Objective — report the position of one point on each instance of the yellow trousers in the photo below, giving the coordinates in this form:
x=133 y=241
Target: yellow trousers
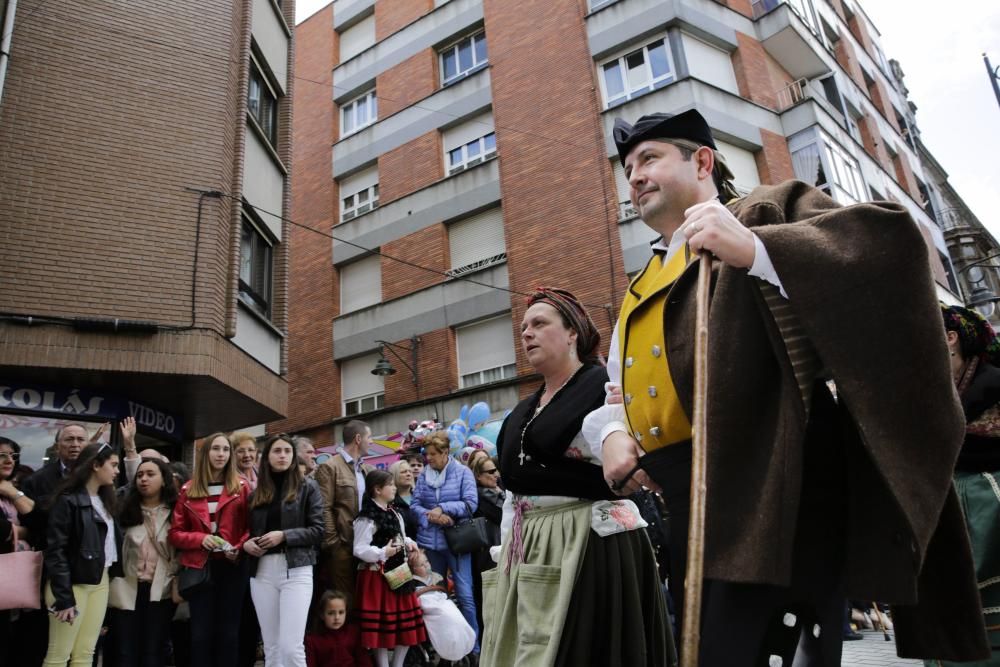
x=75 y=642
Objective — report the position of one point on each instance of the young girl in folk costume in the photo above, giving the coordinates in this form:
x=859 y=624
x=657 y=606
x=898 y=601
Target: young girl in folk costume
x=388 y=618
x=142 y=581
x=210 y=525
x=335 y=643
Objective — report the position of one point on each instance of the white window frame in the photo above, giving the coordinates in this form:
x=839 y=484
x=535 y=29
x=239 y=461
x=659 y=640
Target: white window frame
x=256 y=279
x=356 y=406
x=262 y=103
x=842 y=171
x=372 y=297
x=353 y=404
x=354 y=205
x=350 y=110
x=455 y=48
x=652 y=82
x=597 y=4
x=486 y=147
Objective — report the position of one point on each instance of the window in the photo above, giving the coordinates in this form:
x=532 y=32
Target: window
x=359 y=37
x=708 y=63
x=359 y=113
x=466 y=56
x=472 y=153
x=255 y=268
x=486 y=352
x=625 y=209
x=476 y=242
x=818 y=160
x=636 y=73
x=359 y=193
x=361 y=391
x=742 y=163
x=360 y=284
x=262 y=104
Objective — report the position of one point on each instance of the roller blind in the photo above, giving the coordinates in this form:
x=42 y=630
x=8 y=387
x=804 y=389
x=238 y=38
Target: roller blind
x=360 y=284
x=485 y=345
x=356 y=377
x=476 y=238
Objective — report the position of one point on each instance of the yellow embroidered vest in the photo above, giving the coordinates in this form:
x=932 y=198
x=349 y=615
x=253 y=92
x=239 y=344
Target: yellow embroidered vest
x=653 y=412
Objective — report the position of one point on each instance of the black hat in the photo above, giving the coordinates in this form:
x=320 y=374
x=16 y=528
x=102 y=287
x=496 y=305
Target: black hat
x=688 y=125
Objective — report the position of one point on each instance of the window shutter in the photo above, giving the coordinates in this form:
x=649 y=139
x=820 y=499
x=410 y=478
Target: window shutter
x=357 y=38
x=361 y=284
x=742 y=163
x=485 y=345
x=476 y=238
x=471 y=129
x=356 y=377
x=359 y=181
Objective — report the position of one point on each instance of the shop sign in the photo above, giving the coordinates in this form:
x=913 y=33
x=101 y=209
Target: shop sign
x=83 y=404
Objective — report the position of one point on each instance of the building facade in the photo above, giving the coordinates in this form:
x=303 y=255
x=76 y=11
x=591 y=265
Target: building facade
x=144 y=158
x=459 y=153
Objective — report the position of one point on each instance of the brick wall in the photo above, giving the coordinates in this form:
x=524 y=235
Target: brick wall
x=905 y=177
x=881 y=100
x=758 y=75
x=860 y=33
x=741 y=6
x=438 y=371
x=562 y=183
x=774 y=162
x=427 y=247
x=410 y=81
x=410 y=167
x=314 y=380
x=391 y=15
x=872 y=140
x=847 y=59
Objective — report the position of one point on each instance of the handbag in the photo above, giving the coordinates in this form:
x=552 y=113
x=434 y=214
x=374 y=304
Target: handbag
x=468 y=535
x=21 y=583
x=191 y=581
x=398 y=576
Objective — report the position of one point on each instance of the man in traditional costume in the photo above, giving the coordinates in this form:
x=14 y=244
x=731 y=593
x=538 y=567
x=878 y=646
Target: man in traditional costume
x=833 y=423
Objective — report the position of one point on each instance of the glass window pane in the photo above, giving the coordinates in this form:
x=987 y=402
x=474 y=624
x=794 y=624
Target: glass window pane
x=658 y=59
x=246 y=255
x=363 y=197
x=375 y=192
x=253 y=96
x=490 y=140
x=350 y=408
x=374 y=107
x=449 y=64
x=465 y=55
x=480 y=49
x=473 y=149
x=613 y=80
x=348 y=203
x=638 y=76
x=368 y=404
x=362 y=110
x=348 y=118
x=455 y=157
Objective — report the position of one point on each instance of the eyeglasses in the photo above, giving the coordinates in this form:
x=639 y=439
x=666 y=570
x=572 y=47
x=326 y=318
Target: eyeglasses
x=4 y=456
x=494 y=471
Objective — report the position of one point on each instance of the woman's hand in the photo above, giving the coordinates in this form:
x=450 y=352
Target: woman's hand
x=210 y=543
x=8 y=490
x=435 y=514
x=252 y=548
x=391 y=550
x=66 y=615
x=270 y=540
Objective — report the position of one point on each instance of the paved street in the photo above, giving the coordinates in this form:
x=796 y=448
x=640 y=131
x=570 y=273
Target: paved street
x=873 y=651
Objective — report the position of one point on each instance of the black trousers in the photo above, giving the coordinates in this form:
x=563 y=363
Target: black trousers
x=216 y=613
x=744 y=625
x=139 y=637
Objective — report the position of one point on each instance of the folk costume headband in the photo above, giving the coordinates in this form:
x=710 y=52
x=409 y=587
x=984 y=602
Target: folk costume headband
x=687 y=130
x=573 y=312
x=975 y=334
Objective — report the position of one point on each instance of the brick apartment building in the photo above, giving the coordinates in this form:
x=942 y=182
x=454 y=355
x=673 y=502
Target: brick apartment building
x=472 y=140
x=127 y=287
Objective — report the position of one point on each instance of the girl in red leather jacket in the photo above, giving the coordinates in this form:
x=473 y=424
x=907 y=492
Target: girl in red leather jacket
x=209 y=528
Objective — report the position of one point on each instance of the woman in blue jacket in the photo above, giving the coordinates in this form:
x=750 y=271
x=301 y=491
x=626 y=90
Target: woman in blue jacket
x=446 y=493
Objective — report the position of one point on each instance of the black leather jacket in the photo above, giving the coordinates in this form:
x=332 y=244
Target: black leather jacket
x=74 y=553
x=301 y=522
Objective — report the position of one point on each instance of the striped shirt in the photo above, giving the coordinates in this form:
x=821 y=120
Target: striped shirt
x=214 y=491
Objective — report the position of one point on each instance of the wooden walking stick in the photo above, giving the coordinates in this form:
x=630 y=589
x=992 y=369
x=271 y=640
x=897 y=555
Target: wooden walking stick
x=881 y=621
x=693 y=577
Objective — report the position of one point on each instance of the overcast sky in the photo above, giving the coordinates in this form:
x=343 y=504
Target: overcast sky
x=940 y=47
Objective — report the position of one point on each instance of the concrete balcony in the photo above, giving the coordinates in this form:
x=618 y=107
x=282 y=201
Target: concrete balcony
x=790 y=41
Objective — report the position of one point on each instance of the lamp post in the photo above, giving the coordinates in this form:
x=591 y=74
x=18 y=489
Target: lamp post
x=982 y=299
x=384 y=367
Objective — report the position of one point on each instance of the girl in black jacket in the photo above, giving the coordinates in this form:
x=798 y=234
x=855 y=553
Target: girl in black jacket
x=81 y=546
x=286 y=527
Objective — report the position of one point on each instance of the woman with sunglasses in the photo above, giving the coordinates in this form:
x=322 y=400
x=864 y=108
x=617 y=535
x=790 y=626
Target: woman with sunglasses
x=491 y=498
x=81 y=545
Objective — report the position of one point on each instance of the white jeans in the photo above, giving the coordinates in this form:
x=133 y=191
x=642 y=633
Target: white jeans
x=281 y=597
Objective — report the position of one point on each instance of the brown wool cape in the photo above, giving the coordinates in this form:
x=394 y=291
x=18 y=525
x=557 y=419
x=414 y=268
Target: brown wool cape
x=860 y=291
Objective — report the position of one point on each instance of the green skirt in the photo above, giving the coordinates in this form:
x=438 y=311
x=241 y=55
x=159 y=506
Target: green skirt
x=576 y=598
x=979 y=494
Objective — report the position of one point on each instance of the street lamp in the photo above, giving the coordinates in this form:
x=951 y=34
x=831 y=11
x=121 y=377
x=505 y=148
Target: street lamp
x=384 y=367
x=982 y=299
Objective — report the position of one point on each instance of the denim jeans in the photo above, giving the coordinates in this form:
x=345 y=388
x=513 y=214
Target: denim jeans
x=140 y=635
x=215 y=615
x=281 y=596
x=461 y=572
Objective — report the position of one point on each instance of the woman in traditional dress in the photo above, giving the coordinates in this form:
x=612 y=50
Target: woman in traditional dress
x=975 y=355
x=577 y=582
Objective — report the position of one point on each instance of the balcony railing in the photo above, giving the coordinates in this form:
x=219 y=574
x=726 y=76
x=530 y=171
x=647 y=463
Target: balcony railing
x=792 y=94
x=952 y=218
